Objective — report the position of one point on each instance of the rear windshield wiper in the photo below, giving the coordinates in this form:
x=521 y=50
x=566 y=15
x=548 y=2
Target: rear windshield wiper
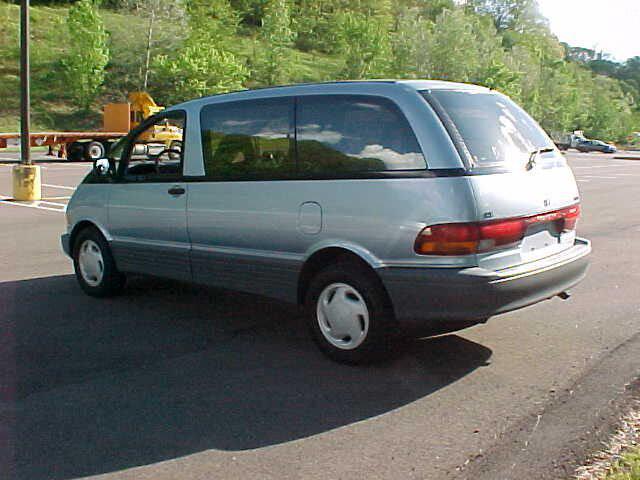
x=533 y=157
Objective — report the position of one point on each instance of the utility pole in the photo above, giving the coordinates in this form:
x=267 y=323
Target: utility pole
x=26 y=176
x=25 y=101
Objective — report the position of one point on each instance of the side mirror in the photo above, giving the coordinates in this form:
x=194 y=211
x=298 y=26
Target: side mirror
x=102 y=167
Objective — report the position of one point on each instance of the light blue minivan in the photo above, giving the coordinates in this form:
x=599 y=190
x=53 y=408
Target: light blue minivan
x=380 y=206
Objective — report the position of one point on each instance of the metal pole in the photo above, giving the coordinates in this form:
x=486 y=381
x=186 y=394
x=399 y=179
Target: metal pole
x=25 y=107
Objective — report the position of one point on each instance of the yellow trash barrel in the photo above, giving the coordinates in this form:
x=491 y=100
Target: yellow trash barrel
x=26 y=182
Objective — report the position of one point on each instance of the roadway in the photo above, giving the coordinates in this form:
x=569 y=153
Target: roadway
x=174 y=381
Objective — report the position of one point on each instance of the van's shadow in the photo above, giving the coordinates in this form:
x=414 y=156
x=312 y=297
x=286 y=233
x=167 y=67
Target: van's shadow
x=167 y=370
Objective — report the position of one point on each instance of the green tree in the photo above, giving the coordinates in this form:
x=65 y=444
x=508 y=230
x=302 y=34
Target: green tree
x=152 y=11
x=462 y=48
x=433 y=8
x=199 y=69
x=511 y=15
x=629 y=73
x=204 y=65
x=363 y=42
x=276 y=36
x=314 y=25
x=609 y=112
x=212 y=21
x=250 y=11
x=413 y=32
x=84 y=66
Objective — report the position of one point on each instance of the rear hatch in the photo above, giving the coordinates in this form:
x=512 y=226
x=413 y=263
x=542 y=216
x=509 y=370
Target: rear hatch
x=517 y=174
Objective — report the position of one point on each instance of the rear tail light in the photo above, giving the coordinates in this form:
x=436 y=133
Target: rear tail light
x=478 y=237
x=571 y=215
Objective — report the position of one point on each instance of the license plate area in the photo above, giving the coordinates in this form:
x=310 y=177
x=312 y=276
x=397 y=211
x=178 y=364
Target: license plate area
x=541 y=240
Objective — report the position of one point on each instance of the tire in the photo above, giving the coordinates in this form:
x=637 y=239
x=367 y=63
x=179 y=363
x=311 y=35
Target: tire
x=94 y=266
x=367 y=331
x=93 y=151
x=75 y=152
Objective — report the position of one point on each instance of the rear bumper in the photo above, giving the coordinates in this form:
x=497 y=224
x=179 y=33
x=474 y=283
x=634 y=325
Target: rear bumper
x=422 y=295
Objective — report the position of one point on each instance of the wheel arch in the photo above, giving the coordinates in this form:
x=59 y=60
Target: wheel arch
x=81 y=225
x=327 y=255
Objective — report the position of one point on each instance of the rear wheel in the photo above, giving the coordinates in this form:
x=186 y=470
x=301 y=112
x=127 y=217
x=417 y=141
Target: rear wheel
x=349 y=314
x=75 y=152
x=94 y=266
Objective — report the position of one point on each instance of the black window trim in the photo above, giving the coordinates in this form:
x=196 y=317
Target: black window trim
x=120 y=176
x=451 y=128
x=364 y=175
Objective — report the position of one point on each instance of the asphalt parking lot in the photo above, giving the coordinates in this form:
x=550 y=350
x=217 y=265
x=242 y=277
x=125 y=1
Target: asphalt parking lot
x=174 y=381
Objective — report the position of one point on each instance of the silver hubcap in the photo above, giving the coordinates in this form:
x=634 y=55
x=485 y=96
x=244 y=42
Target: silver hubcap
x=95 y=152
x=343 y=316
x=91 y=263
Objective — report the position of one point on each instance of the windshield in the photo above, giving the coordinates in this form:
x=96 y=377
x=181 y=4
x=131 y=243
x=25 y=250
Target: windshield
x=495 y=130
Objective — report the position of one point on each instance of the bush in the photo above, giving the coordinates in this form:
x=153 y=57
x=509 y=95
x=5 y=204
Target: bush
x=84 y=66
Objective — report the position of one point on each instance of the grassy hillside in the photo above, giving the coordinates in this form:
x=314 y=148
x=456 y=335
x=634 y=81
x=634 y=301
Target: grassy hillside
x=526 y=61
x=50 y=101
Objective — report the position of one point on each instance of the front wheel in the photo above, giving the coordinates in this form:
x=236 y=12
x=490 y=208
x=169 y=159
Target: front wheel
x=93 y=151
x=349 y=314
x=94 y=266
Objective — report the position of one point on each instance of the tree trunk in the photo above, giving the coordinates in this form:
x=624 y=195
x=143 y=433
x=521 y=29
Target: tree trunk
x=148 y=52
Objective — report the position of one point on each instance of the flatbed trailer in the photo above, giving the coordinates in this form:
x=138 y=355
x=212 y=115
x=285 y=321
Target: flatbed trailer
x=117 y=120
x=74 y=146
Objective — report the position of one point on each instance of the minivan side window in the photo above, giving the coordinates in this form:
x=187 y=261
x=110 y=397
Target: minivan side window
x=155 y=153
x=338 y=134
x=248 y=139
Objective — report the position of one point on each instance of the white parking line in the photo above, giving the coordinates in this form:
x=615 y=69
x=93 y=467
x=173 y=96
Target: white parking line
x=47 y=165
x=591 y=166
x=611 y=165
x=47 y=202
x=599 y=176
x=68 y=165
x=62 y=187
x=37 y=204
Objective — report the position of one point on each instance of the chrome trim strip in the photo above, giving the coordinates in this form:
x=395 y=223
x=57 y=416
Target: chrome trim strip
x=152 y=243
x=244 y=252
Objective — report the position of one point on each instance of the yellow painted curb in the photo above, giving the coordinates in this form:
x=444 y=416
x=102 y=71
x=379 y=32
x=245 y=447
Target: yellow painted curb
x=26 y=182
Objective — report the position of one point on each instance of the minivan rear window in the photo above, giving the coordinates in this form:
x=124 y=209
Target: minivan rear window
x=496 y=132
